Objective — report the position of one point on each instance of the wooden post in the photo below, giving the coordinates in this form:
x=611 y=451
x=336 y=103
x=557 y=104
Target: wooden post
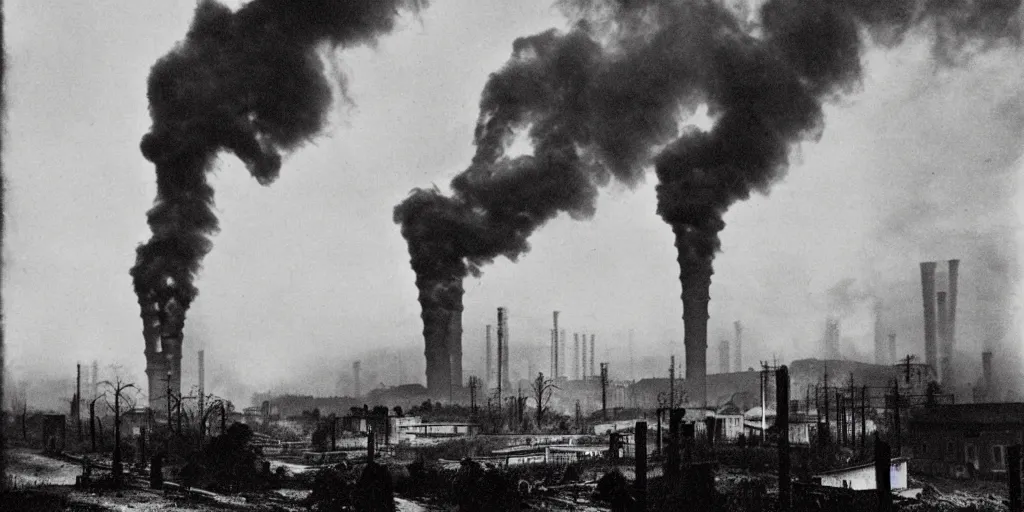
x=782 y=426
x=675 y=418
x=883 y=460
x=334 y=433
x=92 y=424
x=660 y=413
x=640 y=456
x=370 y=448
x=863 y=415
x=1013 y=476
x=897 y=435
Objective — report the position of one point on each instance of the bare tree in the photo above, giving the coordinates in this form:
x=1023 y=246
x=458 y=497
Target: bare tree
x=93 y=419
x=119 y=387
x=542 y=391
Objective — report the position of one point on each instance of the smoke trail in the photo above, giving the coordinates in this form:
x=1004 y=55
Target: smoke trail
x=601 y=100
x=249 y=82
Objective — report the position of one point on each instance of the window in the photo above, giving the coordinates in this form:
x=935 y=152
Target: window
x=924 y=448
x=950 y=448
x=999 y=456
x=971 y=454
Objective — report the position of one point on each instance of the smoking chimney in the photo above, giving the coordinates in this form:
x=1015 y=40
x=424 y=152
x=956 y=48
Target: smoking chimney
x=696 y=281
x=739 y=345
x=944 y=372
x=986 y=373
x=455 y=346
x=928 y=297
x=489 y=368
x=576 y=356
x=723 y=356
x=954 y=272
x=879 y=335
x=355 y=375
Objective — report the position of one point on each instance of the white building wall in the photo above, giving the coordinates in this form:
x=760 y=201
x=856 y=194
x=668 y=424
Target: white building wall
x=864 y=478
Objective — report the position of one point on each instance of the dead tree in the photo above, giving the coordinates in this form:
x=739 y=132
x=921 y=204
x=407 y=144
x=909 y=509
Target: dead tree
x=118 y=388
x=92 y=420
x=542 y=391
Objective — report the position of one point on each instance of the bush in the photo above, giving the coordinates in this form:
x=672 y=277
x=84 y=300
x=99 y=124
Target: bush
x=227 y=463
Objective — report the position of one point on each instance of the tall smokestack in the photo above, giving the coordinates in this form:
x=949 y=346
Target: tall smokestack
x=489 y=369
x=944 y=370
x=954 y=275
x=892 y=348
x=879 y=334
x=591 y=354
x=695 y=277
x=723 y=356
x=355 y=375
x=576 y=356
x=986 y=373
x=583 y=359
x=554 y=346
x=928 y=297
x=560 y=371
x=739 y=345
x=503 y=376
x=455 y=346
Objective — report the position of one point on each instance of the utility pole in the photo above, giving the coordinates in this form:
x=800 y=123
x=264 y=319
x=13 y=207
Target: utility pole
x=896 y=420
x=863 y=415
x=78 y=400
x=853 y=414
x=168 y=400
x=472 y=395
x=672 y=382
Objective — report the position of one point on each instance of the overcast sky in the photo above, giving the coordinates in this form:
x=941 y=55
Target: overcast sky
x=309 y=273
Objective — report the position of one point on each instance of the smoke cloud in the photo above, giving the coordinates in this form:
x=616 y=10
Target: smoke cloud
x=604 y=100
x=250 y=82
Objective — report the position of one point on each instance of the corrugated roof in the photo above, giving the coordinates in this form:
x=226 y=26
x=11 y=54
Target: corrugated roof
x=894 y=460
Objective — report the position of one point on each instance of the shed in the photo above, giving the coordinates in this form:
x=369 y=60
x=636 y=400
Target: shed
x=862 y=477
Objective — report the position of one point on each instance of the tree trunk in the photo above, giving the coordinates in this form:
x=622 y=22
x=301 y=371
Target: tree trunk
x=117 y=436
x=92 y=425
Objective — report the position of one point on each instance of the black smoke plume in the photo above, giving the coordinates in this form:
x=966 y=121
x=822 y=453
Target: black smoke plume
x=249 y=82
x=605 y=98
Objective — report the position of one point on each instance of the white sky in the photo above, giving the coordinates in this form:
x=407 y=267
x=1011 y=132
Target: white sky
x=310 y=272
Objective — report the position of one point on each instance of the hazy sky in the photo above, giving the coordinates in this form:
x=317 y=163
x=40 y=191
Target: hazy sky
x=921 y=163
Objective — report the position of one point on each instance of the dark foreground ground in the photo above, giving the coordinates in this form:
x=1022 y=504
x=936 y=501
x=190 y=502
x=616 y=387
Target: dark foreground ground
x=42 y=483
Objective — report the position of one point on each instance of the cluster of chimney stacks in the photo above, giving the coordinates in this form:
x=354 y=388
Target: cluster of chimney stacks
x=583 y=366
x=939 y=318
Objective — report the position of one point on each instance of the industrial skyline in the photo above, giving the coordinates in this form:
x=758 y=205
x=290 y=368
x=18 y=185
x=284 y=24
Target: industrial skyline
x=331 y=272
